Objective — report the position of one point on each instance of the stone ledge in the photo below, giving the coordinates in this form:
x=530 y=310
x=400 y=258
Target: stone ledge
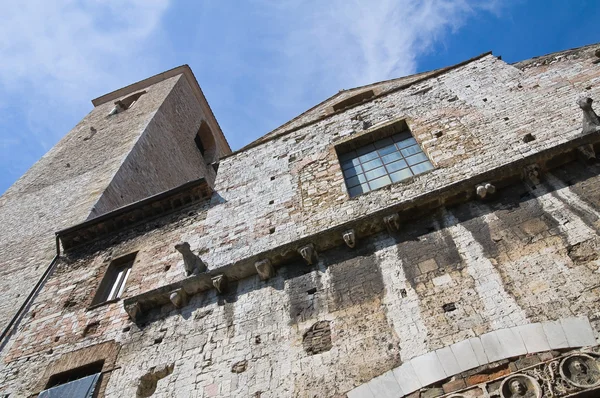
x=135 y=213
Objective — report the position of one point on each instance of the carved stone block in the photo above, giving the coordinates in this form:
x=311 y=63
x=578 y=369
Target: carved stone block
x=591 y=122
x=192 y=264
x=134 y=311
x=220 y=283
x=586 y=153
x=392 y=222
x=484 y=190
x=520 y=385
x=350 y=238
x=179 y=298
x=308 y=253
x=532 y=174
x=264 y=268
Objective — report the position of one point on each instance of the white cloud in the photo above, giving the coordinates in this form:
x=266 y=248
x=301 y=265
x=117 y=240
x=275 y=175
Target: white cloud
x=68 y=48
x=340 y=44
x=55 y=56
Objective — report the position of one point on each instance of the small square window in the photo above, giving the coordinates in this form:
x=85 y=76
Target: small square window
x=113 y=283
x=387 y=155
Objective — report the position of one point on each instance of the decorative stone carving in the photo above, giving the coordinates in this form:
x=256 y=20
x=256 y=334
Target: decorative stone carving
x=178 y=298
x=520 y=385
x=587 y=153
x=350 y=238
x=485 y=189
x=220 y=282
x=532 y=173
x=134 y=311
x=392 y=222
x=580 y=370
x=264 y=268
x=308 y=253
x=192 y=264
x=591 y=122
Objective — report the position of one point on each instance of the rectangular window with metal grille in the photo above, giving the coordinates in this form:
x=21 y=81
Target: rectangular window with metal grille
x=382 y=161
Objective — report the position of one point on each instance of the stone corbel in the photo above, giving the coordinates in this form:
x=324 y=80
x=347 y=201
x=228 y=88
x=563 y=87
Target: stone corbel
x=134 y=311
x=308 y=253
x=531 y=173
x=192 y=264
x=264 y=268
x=179 y=298
x=482 y=190
x=350 y=238
x=591 y=122
x=392 y=222
x=587 y=153
x=220 y=283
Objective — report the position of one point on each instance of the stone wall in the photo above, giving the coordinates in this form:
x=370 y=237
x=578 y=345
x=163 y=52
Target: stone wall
x=528 y=255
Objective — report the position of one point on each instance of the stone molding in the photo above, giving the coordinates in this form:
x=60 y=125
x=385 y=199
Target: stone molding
x=434 y=366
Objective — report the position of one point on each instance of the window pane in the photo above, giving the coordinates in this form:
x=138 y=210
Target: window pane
x=380 y=182
x=392 y=157
x=421 y=167
x=115 y=285
x=351 y=172
x=401 y=164
x=365 y=149
x=125 y=276
x=358 y=190
x=368 y=156
x=83 y=387
x=373 y=174
x=349 y=163
x=418 y=158
x=401 y=136
x=411 y=150
x=400 y=175
x=387 y=149
x=383 y=143
x=359 y=179
x=407 y=142
x=372 y=164
x=347 y=156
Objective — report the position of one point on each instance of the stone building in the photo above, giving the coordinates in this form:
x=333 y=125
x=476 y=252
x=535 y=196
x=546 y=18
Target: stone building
x=432 y=235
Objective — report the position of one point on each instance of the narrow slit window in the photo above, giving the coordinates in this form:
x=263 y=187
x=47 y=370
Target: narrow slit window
x=113 y=283
x=384 y=157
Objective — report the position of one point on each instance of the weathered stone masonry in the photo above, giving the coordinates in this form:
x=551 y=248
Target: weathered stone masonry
x=434 y=267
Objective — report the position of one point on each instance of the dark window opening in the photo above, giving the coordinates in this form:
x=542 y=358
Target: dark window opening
x=199 y=145
x=385 y=156
x=205 y=142
x=74 y=374
x=355 y=99
x=113 y=283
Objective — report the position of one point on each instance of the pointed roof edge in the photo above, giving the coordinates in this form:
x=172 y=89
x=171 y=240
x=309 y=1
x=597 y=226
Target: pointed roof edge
x=427 y=75
x=184 y=70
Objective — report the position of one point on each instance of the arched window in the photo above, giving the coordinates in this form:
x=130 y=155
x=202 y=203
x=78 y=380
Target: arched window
x=205 y=142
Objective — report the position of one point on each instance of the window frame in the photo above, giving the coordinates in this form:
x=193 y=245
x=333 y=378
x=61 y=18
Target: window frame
x=115 y=278
x=363 y=160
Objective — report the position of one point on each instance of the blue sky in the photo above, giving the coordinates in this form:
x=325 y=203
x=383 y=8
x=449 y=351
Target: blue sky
x=259 y=62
